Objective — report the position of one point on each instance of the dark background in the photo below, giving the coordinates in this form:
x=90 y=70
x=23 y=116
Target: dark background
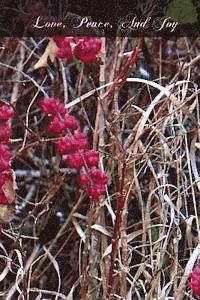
x=16 y=17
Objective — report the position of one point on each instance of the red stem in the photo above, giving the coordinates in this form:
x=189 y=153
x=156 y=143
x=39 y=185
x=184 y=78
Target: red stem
x=119 y=82
x=117 y=227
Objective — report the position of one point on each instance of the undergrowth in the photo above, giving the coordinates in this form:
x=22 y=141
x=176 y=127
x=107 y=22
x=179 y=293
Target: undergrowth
x=138 y=105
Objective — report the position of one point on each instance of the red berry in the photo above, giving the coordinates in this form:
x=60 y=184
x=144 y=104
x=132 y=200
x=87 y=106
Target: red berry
x=49 y=106
x=65 y=52
x=5 y=156
x=64 y=45
x=84 y=179
x=61 y=109
x=71 y=122
x=66 y=145
x=75 y=161
x=87 y=49
x=6 y=112
x=57 y=126
x=195 y=281
x=95 y=192
x=81 y=140
x=61 y=53
x=5 y=133
x=91 y=157
x=97 y=176
x=59 y=40
x=73 y=147
x=52 y=106
x=2 y=179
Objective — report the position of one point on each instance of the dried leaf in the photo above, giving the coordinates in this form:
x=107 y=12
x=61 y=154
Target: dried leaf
x=6 y=213
x=50 y=52
x=101 y=229
x=9 y=188
x=197 y=145
x=79 y=230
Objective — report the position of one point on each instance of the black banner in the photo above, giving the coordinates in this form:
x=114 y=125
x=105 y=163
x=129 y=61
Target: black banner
x=100 y=18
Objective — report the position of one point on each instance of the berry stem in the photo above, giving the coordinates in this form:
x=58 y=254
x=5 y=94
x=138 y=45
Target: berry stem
x=117 y=227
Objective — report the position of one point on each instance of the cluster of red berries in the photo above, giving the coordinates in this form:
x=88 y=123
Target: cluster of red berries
x=83 y=48
x=195 y=281
x=73 y=146
x=6 y=113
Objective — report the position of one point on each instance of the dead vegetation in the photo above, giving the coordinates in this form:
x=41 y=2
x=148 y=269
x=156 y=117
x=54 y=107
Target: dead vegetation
x=142 y=240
